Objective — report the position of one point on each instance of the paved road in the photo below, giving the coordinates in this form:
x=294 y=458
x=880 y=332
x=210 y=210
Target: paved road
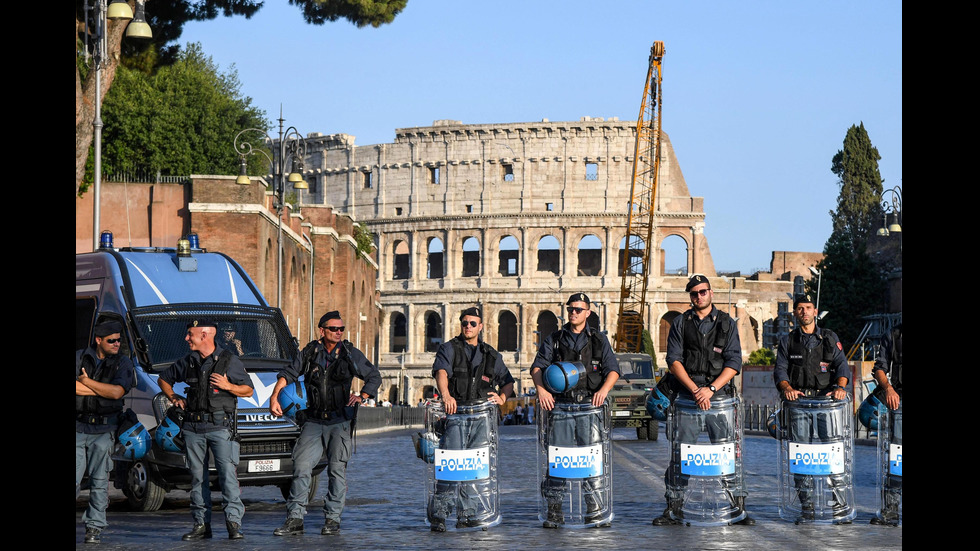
x=385 y=507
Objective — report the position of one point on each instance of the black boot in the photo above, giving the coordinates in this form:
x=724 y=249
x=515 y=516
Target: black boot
x=672 y=514
x=555 y=515
x=234 y=530
x=199 y=532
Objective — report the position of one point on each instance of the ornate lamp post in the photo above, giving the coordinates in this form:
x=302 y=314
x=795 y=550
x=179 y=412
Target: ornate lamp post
x=291 y=145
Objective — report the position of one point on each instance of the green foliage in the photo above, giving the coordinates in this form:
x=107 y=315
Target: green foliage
x=858 y=213
x=648 y=348
x=364 y=239
x=762 y=356
x=852 y=286
x=181 y=120
x=358 y=12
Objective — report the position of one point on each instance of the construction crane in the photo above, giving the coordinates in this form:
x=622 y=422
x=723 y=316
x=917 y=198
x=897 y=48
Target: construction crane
x=635 y=263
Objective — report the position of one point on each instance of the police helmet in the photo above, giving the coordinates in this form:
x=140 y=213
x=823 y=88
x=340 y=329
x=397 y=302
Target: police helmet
x=292 y=399
x=133 y=440
x=562 y=376
x=657 y=404
x=168 y=435
x=772 y=424
x=869 y=411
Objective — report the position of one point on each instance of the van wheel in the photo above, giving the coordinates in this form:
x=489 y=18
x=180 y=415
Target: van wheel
x=314 y=484
x=641 y=432
x=653 y=430
x=142 y=491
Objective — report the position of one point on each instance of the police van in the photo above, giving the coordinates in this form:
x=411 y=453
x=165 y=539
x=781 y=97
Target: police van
x=154 y=292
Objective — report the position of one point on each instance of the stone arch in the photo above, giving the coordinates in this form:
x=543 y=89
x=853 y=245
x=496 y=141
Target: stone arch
x=471 y=257
x=509 y=253
x=507 y=338
x=547 y=323
x=634 y=264
x=549 y=254
x=676 y=255
x=401 y=263
x=398 y=328
x=665 y=328
x=589 y=255
x=436 y=259
x=433 y=331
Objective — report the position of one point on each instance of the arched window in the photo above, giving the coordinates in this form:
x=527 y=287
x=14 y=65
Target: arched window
x=433 y=331
x=399 y=333
x=547 y=324
x=675 y=255
x=549 y=255
x=471 y=257
x=634 y=264
x=665 y=329
x=400 y=261
x=589 y=256
x=509 y=254
x=435 y=261
x=506 y=332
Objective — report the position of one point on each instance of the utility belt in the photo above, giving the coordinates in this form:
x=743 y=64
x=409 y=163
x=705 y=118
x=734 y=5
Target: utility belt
x=93 y=419
x=812 y=392
x=579 y=396
x=218 y=417
x=326 y=415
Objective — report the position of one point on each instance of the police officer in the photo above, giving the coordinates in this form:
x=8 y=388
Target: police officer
x=215 y=379
x=576 y=341
x=328 y=366
x=467 y=371
x=889 y=366
x=704 y=354
x=102 y=377
x=810 y=362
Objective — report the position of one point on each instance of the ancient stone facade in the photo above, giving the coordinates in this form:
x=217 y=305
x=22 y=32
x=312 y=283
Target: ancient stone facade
x=514 y=217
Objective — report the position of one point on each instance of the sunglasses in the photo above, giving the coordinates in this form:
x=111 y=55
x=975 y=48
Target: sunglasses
x=337 y=329
x=575 y=310
x=112 y=341
x=471 y=323
x=701 y=293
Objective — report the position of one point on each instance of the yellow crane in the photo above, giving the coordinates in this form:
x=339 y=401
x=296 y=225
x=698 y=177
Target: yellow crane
x=635 y=263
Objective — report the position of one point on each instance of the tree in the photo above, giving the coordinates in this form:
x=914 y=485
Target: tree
x=859 y=202
x=762 y=356
x=852 y=286
x=167 y=20
x=181 y=120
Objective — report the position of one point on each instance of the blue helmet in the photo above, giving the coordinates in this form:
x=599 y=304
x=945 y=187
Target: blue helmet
x=292 y=399
x=132 y=439
x=869 y=411
x=425 y=446
x=772 y=423
x=658 y=404
x=562 y=376
x=167 y=434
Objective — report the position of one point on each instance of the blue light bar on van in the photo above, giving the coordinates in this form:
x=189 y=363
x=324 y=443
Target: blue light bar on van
x=105 y=240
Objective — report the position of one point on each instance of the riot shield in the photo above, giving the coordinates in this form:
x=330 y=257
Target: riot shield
x=461 y=479
x=575 y=466
x=816 y=461
x=889 y=480
x=704 y=478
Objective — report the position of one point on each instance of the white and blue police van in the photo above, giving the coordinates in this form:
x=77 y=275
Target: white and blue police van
x=154 y=292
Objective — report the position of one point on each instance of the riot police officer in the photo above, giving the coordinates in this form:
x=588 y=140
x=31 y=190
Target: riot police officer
x=328 y=366
x=468 y=372
x=888 y=375
x=102 y=377
x=810 y=362
x=215 y=379
x=576 y=341
x=704 y=354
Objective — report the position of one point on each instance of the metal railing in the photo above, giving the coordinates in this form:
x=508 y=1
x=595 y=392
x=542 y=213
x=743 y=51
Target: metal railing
x=394 y=416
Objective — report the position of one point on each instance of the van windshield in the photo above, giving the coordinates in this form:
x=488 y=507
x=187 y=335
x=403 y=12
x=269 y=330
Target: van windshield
x=636 y=369
x=251 y=332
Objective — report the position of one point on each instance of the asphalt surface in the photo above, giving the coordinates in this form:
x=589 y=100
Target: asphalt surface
x=385 y=507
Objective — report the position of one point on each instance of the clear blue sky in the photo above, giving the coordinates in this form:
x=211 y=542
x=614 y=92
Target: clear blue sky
x=757 y=95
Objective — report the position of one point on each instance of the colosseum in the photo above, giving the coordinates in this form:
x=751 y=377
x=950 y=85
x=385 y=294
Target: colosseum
x=516 y=217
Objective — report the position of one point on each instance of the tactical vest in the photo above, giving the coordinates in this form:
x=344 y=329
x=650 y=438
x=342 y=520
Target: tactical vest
x=591 y=359
x=805 y=370
x=327 y=386
x=471 y=385
x=202 y=397
x=97 y=405
x=703 y=360
x=896 y=358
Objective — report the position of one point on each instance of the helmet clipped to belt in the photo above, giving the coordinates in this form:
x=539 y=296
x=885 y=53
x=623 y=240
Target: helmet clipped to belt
x=132 y=438
x=563 y=376
x=168 y=435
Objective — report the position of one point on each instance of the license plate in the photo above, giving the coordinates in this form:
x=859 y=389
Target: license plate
x=621 y=414
x=263 y=465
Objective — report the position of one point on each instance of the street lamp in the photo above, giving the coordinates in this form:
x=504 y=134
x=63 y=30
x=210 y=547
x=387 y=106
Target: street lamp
x=892 y=205
x=117 y=10
x=291 y=145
